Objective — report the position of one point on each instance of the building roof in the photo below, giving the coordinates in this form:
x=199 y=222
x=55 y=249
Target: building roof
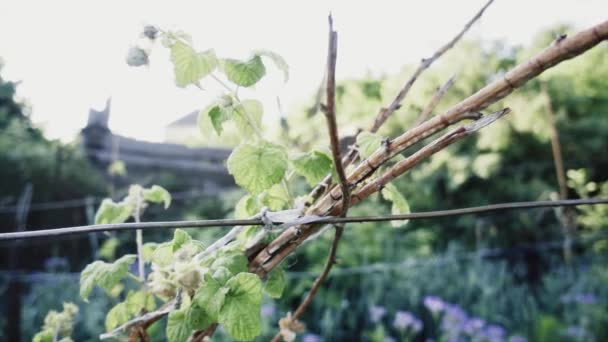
x=190 y=119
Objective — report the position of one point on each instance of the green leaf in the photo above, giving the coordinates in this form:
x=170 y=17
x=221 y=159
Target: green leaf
x=246 y=207
x=197 y=318
x=163 y=254
x=138 y=300
x=110 y=212
x=368 y=143
x=210 y=297
x=148 y=250
x=400 y=205
x=278 y=61
x=314 y=166
x=218 y=117
x=178 y=329
x=248 y=117
x=245 y=73
x=275 y=284
x=190 y=66
x=180 y=238
x=276 y=198
x=222 y=274
x=240 y=314
x=234 y=262
x=118 y=315
x=258 y=167
x=44 y=336
x=108 y=248
x=104 y=275
x=157 y=194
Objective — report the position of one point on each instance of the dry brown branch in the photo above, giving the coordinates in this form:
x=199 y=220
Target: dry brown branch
x=425 y=152
x=567 y=216
x=561 y=50
x=424 y=64
x=330 y=114
x=331 y=260
x=430 y=107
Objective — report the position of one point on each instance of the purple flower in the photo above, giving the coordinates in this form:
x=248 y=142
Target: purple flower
x=575 y=331
x=417 y=325
x=517 y=338
x=474 y=325
x=585 y=298
x=268 y=310
x=311 y=338
x=454 y=320
x=376 y=313
x=405 y=320
x=434 y=304
x=581 y=298
x=495 y=333
x=455 y=312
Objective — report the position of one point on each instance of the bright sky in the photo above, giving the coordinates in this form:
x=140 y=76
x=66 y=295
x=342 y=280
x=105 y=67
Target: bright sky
x=70 y=55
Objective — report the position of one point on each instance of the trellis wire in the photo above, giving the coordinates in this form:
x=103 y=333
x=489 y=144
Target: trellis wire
x=355 y=270
x=46 y=233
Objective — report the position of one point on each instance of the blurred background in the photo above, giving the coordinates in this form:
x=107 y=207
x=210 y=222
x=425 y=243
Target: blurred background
x=77 y=126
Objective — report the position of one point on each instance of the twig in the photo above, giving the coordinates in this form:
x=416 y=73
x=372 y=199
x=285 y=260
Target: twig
x=424 y=64
x=330 y=115
x=331 y=260
x=145 y=321
x=430 y=107
x=568 y=217
x=50 y=233
x=425 y=152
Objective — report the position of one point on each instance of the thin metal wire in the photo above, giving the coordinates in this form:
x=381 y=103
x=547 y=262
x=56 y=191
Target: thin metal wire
x=363 y=269
x=49 y=233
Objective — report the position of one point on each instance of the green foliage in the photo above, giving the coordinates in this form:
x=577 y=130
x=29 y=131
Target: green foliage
x=278 y=61
x=211 y=297
x=178 y=329
x=314 y=165
x=243 y=73
x=234 y=262
x=240 y=314
x=104 y=275
x=276 y=198
x=246 y=207
x=257 y=167
x=157 y=194
x=191 y=66
x=591 y=217
x=58 y=326
x=276 y=282
x=368 y=143
x=248 y=118
x=400 y=205
x=111 y=212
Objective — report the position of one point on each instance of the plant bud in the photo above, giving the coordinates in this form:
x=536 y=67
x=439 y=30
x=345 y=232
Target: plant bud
x=225 y=101
x=137 y=57
x=150 y=32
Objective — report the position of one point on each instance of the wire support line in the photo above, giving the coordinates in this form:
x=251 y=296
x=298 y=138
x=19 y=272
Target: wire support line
x=49 y=233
